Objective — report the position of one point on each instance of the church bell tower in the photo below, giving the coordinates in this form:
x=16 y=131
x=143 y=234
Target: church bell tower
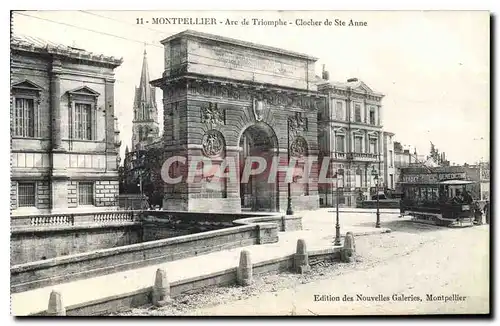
x=145 y=128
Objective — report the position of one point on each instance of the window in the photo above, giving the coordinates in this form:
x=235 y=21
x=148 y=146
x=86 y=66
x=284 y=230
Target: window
x=391 y=158
x=339 y=111
x=358 y=144
x=373 y=146
x=433 y=194
x=24 y=117
x=358 y=180
x=83 y=121
x=85 y=193
x=372 y=116
x=391 y=180
x=339 y=143
x=357 y=112
x=26 y=194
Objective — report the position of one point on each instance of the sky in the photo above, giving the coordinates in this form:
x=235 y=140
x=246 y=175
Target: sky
x=432 y=66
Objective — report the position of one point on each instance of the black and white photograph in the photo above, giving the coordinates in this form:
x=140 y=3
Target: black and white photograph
x=250 y=163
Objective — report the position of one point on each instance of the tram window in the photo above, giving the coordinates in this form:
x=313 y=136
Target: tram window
x=412 y=193
x=423 y=193
x=409 y=193
x=416 y=194
x=433 y=194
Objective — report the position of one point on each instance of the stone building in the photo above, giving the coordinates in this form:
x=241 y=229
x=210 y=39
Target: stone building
x=484 y=179
x=64 y=142
x=145 y=129
x=479 y=173
x=350 y=133
x=229 y=99
x=402 y=159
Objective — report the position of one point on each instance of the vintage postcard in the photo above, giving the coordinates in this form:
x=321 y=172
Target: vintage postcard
x=221 y=163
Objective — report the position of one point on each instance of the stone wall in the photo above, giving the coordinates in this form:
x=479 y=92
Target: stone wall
x=230 y=58
x=72 y=194
x=43 y=194
x=29 y=245
x=385 y=203
x=13 y=195
x=67 y=268
x=222 y=231
x=106 y=193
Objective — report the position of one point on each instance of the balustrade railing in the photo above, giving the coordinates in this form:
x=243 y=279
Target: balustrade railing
x=74 y=219
x=114 y=217
x=52 y=220
x=356 y=156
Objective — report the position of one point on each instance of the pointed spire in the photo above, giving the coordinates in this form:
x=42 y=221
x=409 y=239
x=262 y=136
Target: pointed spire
x=144 y=94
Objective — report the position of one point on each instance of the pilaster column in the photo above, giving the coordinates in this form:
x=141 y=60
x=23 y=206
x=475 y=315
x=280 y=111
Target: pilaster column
x=55 y=105
x=109 y=114
x=59 y=158
x=379 y=115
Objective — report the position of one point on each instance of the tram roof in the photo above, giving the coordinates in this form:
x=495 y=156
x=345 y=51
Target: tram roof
x=456 y=182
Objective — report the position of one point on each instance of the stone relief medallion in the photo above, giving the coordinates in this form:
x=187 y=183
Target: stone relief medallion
x=212 y=143
x=298 y=147
x=258 y=109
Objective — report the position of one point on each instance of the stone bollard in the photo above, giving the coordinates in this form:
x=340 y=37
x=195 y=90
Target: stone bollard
x=56 y=307
x=161 y=289
x=347 y=252
x=244 y=270
x=301 y=258
x=352 y=239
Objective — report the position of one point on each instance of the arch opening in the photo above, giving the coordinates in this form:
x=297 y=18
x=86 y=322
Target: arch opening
x=259 y=193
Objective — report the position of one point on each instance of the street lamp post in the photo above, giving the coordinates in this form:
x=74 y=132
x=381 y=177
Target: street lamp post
x=337 y=223
x=139 y=166
x=289 y=210
x=375 y=175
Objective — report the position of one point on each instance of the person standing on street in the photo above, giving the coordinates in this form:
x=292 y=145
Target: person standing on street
x=478 y=214
x=487 y=211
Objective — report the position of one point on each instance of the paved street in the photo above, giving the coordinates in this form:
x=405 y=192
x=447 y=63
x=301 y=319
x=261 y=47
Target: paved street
x=414 y=259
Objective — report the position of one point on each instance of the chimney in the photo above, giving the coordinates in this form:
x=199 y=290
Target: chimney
x=352 y=80
x=325 y=75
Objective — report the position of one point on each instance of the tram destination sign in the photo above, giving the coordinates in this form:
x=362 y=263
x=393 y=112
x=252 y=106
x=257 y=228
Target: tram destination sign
x=432 y=178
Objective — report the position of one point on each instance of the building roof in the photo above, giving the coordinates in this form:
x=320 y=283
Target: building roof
x=456 y=182
x=353 y=83
x=233 y=41
x=39 y=45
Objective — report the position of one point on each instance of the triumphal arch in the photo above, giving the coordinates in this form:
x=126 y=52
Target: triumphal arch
x=226 y=100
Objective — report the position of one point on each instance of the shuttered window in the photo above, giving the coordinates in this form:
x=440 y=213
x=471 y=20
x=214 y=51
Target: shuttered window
x=83 y=121
x=24 y=117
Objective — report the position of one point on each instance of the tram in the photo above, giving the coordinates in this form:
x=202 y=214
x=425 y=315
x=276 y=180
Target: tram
x=438 y=198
